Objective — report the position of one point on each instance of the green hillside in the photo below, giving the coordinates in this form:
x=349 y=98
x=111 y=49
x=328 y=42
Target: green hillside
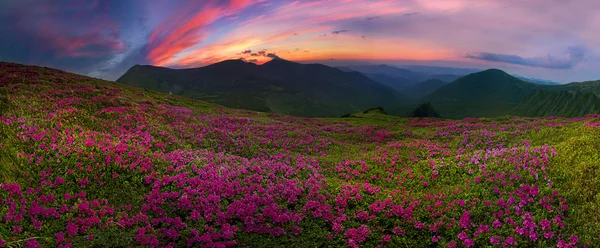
x=563 y=103
x=91 y=163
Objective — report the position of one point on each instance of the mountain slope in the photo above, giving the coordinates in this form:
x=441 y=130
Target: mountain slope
x=427 y=86
x=563 y=104
x=278 y=86
x=484 y=94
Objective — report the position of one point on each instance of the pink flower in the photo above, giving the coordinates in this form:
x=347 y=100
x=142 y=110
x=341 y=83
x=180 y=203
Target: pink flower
x=398 y=231
x=452 y=244
x=545 y=224
x=386 y=238
x=72 y=229
x=37 y=224
x=495 y=240
x=463 y=236
x=497 y=224
x=510 y=241
x=573 y=239
x=435 y=239
x=562 y=244
x=468 y=242
x=358 y=235
x=425 y=184
x=60 y=237
x=32 y=243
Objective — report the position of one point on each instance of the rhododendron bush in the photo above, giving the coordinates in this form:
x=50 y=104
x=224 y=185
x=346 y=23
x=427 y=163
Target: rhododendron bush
x=86 y=162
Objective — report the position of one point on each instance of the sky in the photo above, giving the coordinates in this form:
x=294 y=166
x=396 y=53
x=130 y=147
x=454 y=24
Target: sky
x=550 y=39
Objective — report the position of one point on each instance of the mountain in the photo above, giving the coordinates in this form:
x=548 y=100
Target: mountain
x=397 y=83
x=404 y=75
x=437 y=70
x=424 y=110
x=278 y=86
x=427 y=86
x=483 y=94
x=563 y=104
x=402 y=80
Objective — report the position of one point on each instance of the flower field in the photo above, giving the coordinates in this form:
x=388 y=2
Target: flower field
x=85 y=162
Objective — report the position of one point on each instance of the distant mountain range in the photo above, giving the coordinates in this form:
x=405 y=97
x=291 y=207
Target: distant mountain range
x=537 y=81
x=317 y=90
x=278 y=86
x=402 y=80
x=419 y=80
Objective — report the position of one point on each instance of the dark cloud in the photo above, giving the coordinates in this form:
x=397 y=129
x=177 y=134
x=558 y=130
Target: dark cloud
x=75 y=36
x=412 y=14
x=575 y=55
x=340 y=31
x=247 y=52
x=83 y=29
x=272 y=55
x=252 y=60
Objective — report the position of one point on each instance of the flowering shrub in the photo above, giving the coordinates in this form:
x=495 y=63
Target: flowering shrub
x=85 y=162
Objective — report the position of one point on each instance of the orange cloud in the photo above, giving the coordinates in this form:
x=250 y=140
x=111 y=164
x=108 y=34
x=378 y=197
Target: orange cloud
x=287 y=30
x=176 y=36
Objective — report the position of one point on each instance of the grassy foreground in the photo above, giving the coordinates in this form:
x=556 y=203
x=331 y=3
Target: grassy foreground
x=85 y=162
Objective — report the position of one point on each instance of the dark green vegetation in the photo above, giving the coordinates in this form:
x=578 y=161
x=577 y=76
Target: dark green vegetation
x=424 y=110
x=368 y=112
x=92 y=163
x=278 y=86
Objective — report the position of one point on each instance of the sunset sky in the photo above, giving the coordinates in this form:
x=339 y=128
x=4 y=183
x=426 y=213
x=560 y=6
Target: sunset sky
x=550 y=39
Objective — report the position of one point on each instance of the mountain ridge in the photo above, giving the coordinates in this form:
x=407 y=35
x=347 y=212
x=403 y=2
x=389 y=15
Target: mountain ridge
x=281 y=86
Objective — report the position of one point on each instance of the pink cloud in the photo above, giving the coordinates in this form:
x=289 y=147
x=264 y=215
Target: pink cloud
x=177 y=42
x=181 y=32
